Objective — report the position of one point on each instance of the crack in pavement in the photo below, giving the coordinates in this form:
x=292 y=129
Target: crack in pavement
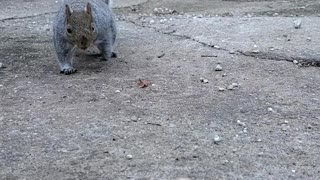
x=50 y=13
x=27 y=17
x=302 y=61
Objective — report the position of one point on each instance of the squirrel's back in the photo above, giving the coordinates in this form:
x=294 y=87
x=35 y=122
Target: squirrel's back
x=78 y=4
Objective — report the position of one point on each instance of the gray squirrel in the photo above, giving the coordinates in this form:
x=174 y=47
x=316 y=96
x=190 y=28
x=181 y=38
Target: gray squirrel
x=81 y=24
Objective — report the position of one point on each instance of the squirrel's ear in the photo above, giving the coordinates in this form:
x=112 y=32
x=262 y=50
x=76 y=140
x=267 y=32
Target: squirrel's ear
x=68 y=11
x=88 y=9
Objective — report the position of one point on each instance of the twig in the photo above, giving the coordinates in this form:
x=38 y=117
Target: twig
x=209 y=55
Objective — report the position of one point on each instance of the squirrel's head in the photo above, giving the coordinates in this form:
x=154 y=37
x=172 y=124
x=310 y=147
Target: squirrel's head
x=80 y=29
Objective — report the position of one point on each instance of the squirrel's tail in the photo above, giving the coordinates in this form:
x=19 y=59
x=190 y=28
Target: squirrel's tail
x=109 y=2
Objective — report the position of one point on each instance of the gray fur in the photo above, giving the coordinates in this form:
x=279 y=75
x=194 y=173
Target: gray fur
x=105 y=29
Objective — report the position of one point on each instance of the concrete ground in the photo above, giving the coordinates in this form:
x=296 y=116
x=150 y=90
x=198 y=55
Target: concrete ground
x=190 y=121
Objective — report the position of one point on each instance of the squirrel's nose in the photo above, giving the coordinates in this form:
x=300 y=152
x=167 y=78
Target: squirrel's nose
x=84 y=41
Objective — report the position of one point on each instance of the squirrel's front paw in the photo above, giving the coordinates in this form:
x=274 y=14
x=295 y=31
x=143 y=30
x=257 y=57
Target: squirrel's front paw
x=68 y=71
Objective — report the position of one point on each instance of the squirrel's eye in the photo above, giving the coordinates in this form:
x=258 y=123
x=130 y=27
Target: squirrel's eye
x=92 y=28
x=69 y=30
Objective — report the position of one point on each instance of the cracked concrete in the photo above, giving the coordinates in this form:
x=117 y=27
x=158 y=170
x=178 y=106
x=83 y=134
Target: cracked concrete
x=99 y=124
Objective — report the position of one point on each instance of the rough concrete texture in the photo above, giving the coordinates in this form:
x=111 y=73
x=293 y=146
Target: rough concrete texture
x=191 y=123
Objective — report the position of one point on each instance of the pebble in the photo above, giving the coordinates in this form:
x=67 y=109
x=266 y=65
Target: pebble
x=270 y=109
x=245 y=130
x=222 y=89
x=203 y=80
x=241 y=123
x=183 y=178
x=129 y=156
x=235 y=85
x=134 y=118
x=117 y=91
x=309 y=39
x=234 y=150
x=232 y=52
x=230 y=87
x=286 y=122
x=218 y=67
x=217 y=47
x=259 y=140
x=297 y=23
x=295 y=62
x=2 y=65
x=217 y=139
x=255 y=51
x=152 y=21
x=162 y=21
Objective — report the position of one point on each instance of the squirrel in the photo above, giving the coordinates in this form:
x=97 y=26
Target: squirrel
x=81 y=24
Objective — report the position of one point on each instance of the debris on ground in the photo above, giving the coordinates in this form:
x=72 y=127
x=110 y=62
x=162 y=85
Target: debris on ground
x=209 y=55
x=217 y=139
x=143 y=83
x=218 y=68
x=297 y=23
x=221 y=89
x=232 y=86
x=2 y=65
x=129 y=157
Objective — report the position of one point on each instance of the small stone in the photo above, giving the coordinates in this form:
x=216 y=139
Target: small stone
x=309 y=39
x=151 y=21
x=134 y=118
x=284 y=129
x=295 y=62
x=222 y=89
x=286 y=122
x=162 y=21
x=224 y=75
x=217 y=139
x=230 y=87
x=241 y=123
x=294 y=171
x=129 y=156
x=205 y=81
x=117 y=91
x=183 y=178
x=255 y=51
x=217 y=47
x=270 y=109
x=232 y=52
x=201 y=79
x=218 y=67
x=297 y=23
x=2 y=65
x=245 y=130
x=259 y=140
x=234 y=150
